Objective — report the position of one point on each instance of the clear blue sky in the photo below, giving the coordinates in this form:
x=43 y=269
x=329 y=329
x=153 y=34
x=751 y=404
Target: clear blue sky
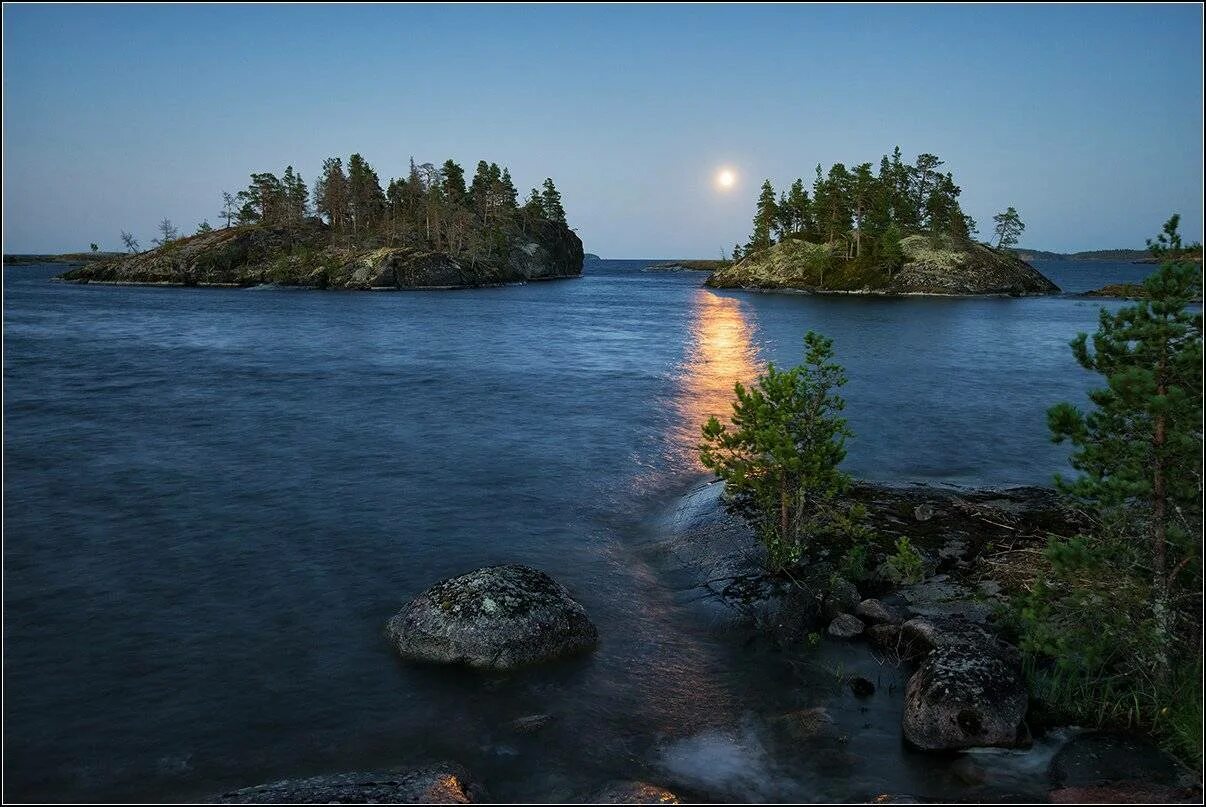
x=1088 y=119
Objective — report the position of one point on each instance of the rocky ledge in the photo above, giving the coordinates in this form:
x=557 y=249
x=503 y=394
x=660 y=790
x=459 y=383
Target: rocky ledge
x=306 y=255
x=496 y=618
x=932 y=266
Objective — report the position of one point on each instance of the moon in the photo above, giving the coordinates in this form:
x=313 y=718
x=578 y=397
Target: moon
x=726 y=178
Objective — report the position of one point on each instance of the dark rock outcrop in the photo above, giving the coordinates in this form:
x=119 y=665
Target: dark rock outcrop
x=306 y=255
x=445 y=783
x=932 y=266
x=499 y=618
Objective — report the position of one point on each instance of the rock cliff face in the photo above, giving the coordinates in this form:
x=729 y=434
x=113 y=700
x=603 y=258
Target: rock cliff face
x=306 y=255
x=931 y=266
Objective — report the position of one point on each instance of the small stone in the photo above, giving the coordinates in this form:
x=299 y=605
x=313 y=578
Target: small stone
x=862 y=687
x=874 y=612
x=923 y=512
x=845 y=626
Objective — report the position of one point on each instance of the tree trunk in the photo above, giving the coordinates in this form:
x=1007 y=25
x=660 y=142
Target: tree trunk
x=1160 y=582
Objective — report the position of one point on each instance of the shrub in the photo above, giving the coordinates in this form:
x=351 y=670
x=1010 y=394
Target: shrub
x=905 y=565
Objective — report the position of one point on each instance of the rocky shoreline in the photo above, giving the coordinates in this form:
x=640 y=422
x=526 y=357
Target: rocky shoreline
x=965 y=690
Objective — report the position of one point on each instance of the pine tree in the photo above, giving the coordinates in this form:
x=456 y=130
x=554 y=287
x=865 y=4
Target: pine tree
x=331 y=193
x=452 y=176
x=890 y=252
x=764 y=219
x=1140 y=450
x=779 y=458
x=551 y=201
x=297 y=196
x=533 y=208
x=229 y=206
x=167 y=233
x=862 y=195
x=366 y=200
x=1008 y=228
x=801 y=209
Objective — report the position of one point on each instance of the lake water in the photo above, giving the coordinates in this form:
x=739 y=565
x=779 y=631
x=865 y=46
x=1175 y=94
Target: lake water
x=214 y=499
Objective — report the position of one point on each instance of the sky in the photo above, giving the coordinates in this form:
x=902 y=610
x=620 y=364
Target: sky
x=1086 y=118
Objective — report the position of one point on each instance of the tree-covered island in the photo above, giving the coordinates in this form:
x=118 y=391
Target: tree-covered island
x=428 y=230
x=898 y=230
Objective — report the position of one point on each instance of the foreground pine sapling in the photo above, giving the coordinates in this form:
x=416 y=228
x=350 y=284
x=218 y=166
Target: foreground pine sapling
x=779 y=456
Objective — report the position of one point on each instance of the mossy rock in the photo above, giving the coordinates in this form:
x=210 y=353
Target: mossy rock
x=498 y=618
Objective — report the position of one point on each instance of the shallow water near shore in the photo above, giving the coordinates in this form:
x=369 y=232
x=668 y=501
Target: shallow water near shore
x=215 y=498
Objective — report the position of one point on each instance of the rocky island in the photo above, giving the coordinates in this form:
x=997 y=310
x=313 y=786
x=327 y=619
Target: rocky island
x=427 y=231
x=900 y=231
x=930 y=265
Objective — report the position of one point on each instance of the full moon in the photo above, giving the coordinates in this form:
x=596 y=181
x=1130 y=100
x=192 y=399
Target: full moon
x=725 y=178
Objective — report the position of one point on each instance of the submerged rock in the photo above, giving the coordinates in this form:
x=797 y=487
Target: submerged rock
x=862 y=687
x=633 y=793
x=445 y=783
x=1103 y=760
x=499 y=618
x=968 y=691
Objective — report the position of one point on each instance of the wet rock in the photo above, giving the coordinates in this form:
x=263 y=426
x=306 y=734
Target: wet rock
x=845 y=626
x=530 y=723
x=840 y=597
x=498 y=618
x=862 y=687
x=633 y=793
x=941 y=596
x=886 y=638
x=966 y=695
x=929 y=633
x=805 y=724
x=1126 y=793
x=874 y=612
x=445 y=783
x=923 y=511
x=785 y=612
x=953 y=551
x=1102 y=757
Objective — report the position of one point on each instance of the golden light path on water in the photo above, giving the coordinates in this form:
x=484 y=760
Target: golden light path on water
x=721 y=352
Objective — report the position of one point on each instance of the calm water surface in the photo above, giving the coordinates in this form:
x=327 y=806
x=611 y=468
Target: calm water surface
x=214 y=499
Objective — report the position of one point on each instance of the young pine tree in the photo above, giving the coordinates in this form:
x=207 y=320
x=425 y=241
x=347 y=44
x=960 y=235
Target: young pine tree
x=779 y=457
x=1139 y=450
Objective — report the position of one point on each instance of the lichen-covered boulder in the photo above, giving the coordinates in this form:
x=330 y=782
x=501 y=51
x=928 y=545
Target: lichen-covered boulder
x=498 y=618
x=445 y=783
x=966 y=695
